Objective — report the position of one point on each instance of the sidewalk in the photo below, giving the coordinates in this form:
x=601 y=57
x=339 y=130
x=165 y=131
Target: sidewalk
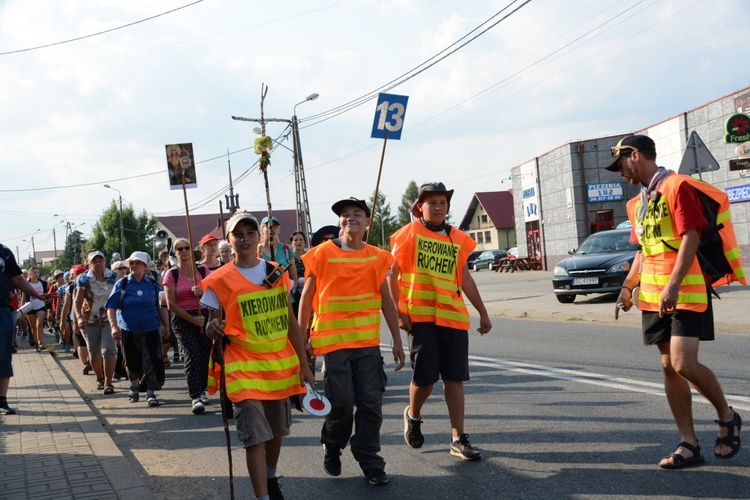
x=55 y=447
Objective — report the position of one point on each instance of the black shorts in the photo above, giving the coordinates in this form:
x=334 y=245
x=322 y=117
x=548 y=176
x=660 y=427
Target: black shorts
x=438 y=352
x=679 y=323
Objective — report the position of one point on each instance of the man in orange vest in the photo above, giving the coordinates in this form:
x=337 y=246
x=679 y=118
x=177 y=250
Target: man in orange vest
x=345 y=282
x=427 y=282
x=667 y=219
x=262 y=351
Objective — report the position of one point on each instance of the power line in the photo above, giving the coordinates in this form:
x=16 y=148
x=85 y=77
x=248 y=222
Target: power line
x=333 y=112
x=100 y=32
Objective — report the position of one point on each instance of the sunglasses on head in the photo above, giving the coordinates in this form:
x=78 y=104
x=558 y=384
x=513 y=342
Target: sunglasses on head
x=180 y=249
x=616 y=150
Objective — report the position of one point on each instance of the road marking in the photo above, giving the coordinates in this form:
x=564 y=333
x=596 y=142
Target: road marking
x=625 y=384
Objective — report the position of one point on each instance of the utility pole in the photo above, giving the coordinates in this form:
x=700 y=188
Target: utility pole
x=304 y=222
x=54 y=242
x=122 y=227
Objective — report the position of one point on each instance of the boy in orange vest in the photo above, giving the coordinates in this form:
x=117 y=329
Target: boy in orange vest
x=262 y=351
x=345 y=280
x=427 y=282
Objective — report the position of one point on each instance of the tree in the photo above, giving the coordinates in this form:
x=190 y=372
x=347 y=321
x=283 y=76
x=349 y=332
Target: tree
x=139 y=231
x=73 y=252
x=407 y=200
x=383 y=223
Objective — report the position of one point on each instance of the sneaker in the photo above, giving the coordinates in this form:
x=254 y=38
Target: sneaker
x=198 y=407
x=274 y=491
x=464 y=450
x=376 y=477
x=87 y=368
x=7 y=410
x=413 y=430
x=332 y=460
x=204 y=399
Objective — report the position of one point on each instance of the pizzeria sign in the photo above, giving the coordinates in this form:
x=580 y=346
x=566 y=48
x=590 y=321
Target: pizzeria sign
x=606 y=191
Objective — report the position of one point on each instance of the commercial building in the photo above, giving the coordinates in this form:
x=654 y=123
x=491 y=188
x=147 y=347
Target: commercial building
x=564 y=195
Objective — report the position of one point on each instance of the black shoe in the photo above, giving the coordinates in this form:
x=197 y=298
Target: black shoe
x=464 y=450
x=274 y=491
x=332 y=460
x=376 y=477
x=7 y=410
x=87 y=368
x=413 y=430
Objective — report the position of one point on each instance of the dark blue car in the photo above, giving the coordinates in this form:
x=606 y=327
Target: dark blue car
x=599 y=265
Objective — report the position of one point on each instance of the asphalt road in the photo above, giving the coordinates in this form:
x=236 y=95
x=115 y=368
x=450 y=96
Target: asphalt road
x=568 y=408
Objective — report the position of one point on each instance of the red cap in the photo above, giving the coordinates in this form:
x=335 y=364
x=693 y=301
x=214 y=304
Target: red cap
x=209 y=237
x=78 y=269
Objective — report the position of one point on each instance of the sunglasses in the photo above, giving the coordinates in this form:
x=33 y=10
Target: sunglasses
x=123 y=268
x=180 y=249
x=616 y=150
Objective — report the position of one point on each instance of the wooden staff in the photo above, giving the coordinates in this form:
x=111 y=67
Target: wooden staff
x=377 y=187
x=222 y=380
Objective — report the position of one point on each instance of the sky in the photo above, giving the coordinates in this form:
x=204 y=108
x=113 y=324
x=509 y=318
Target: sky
x=78 y=114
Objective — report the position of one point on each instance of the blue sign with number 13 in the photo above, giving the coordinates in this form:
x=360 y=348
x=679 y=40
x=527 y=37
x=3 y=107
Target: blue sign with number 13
x=389 y=115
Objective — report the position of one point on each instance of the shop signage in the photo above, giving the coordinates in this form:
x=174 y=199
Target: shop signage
x=737 y=128
x=607 y=191
x=743 y=150
x=741 y=164
x=738 y=193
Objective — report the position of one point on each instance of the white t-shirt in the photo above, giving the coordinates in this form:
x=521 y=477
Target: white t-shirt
x=255 y=275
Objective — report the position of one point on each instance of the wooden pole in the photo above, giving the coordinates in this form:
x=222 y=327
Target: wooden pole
x=377 y=186
x=198 y=301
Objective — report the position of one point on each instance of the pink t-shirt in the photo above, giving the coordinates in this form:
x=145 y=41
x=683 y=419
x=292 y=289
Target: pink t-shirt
x=184 y=293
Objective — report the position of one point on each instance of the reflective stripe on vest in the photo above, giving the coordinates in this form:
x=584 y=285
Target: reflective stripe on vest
x=261 y=363
x=347 y=297
x=659 y=231
x=431 y=273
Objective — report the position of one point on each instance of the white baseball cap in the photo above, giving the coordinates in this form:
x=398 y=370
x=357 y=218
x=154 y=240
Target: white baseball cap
x=141 y=257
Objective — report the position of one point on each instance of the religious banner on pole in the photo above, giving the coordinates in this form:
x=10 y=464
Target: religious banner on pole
x=180 y=161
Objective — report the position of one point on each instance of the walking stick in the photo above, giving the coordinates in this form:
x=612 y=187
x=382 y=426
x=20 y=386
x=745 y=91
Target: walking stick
x=222 y=381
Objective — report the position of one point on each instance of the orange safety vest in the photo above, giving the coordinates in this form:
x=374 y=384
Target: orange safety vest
x=259 y=360
x=431 y=274
x=347 y=297
x=659 y=244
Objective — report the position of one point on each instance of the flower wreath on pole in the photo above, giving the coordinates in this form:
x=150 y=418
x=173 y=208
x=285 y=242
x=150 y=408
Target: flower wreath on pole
x=262 y=145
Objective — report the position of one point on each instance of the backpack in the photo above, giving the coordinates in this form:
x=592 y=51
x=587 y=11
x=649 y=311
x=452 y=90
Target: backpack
x=717 y=238
x=176 y=273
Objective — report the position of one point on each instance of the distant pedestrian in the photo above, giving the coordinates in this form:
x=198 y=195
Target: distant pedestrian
x=429 y=278
x=39 y=309
x=134 y=314
x=188 y=321
x=92 y=290
x=210 y=247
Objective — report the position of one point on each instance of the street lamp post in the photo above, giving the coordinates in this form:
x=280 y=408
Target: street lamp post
x=122 y=229
x=303 y=206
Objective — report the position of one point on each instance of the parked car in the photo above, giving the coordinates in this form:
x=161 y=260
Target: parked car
x=513 y=253
x=489 y=259
x=472 y=257
x=600 y=265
